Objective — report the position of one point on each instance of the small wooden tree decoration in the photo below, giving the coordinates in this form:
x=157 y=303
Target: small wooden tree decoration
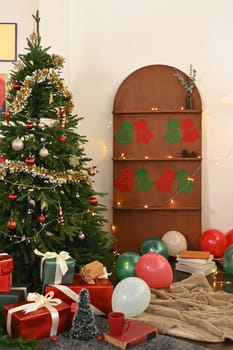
x=84 y=325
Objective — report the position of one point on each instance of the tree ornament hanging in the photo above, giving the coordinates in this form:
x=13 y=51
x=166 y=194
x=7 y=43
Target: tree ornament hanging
x=93 y=200
x=43 y=152
x=11 y=224
x=30 y=160
x=41 y=219
x=91 y=171
x=29 y=125
x=81 y=235
x=63 y=138
x=12 y=196
x=2 y=159
x=7 y=115
x=16 y=85
x=17 y=144
x=62 y=112
x=62 y=221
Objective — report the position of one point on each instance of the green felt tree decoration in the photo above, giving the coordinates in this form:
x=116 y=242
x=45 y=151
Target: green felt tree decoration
x=46 y=182
x=84 y=324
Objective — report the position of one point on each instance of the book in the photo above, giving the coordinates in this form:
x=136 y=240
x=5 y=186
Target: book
x=137 y=333
x=195 y=254
x=204 y=269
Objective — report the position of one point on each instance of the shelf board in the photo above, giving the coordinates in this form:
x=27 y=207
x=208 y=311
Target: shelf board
x=159 y=111
x=173 y=159
x=154 y=208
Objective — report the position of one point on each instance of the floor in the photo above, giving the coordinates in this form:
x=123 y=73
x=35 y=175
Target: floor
x=222 y=281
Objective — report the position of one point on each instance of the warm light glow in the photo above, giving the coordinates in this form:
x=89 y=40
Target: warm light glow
x=170 y=157
x=182 y=108
x=146 y=157
x=118 y=203
x=113 y=228
x=145 y=206
x=172 y=201
x=123 y=155
x=190 y=179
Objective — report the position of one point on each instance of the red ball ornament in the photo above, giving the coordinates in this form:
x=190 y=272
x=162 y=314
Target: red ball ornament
x=12 y=196
x=41 y=218
x=93 y=201
x=54 y=338
x=11 y=224
x=30 y=160
x=229 y=237
x=2 y=159
x=63 y=138
x=29 y=125
x=16 y=85
x=99 y=338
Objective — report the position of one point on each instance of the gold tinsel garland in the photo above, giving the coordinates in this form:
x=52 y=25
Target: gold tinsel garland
x=52 y=177
x=38 y=76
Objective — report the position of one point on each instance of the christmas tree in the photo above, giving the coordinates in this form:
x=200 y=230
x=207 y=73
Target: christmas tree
x=84 y=325
x=48 y=201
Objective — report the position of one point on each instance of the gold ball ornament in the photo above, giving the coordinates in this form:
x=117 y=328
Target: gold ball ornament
x=17 y=144
x=91 y=171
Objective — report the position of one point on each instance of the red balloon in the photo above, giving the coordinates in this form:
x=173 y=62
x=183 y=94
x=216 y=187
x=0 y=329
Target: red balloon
x=229 y=237
x=155 y=270
x=214 y=241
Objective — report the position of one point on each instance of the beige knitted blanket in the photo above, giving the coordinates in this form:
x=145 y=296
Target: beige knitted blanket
x=191 y=309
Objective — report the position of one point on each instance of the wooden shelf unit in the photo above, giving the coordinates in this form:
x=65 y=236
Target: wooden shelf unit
x=148 y=100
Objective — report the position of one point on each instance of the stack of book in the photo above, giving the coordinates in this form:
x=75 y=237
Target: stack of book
x=192 y=261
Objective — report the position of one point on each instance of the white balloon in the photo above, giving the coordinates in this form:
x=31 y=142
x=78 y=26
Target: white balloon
x=175 y=241
x=131 y=296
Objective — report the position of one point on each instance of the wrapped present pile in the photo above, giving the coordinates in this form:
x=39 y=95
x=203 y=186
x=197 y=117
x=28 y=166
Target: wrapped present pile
x=51 y=312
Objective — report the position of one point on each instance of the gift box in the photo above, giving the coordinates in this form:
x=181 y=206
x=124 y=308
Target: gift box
x=15 y=295
x=5 y=282
x=6 y=264
x=100 y=293
x=56 y=268
x=22 y=320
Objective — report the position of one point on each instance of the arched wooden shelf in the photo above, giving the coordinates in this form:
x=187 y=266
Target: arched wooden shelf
x=146 y=104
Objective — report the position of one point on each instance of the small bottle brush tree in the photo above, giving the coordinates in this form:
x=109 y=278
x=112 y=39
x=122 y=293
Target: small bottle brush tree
x=84 y=324
x=46 y=189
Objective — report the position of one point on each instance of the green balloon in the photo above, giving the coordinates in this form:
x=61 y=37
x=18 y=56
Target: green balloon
x=154 y=245
x=125 y=265
x=228 y=259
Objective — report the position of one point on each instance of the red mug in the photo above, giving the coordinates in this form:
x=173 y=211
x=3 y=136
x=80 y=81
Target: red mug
x=118 y=323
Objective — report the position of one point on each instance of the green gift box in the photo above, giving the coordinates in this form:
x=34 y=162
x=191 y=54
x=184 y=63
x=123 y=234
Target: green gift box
x=56 y=268
x=15 y=295
x=51 y=273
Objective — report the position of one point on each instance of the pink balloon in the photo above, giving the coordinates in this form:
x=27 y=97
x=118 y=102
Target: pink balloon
x=229 y=237
x=155 y=270
x=213 y=241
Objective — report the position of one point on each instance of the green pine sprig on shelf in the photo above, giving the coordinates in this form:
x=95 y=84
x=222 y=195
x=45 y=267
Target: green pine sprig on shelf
x=189 y=84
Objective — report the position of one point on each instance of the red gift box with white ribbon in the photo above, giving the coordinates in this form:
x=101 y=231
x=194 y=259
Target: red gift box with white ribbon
x=41 y=317
x=100 y=293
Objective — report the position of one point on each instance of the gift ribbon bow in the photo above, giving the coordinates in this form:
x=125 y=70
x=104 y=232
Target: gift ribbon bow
x=36 y=301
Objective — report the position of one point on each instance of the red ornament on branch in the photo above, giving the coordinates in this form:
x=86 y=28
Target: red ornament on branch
x=29 y=125
x=2 y=159
x=7 y=115
x=12 y=196
x=30 y=160
x=11 y=224
x=16 y=85
x=93 y=201
x=41 y=218
x=63 y=138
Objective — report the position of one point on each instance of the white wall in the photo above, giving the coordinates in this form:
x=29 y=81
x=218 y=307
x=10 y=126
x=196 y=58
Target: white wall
x=103 y=41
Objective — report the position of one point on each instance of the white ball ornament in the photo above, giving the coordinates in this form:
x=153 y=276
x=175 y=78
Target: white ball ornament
x=44 y=152
x=17 y=144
